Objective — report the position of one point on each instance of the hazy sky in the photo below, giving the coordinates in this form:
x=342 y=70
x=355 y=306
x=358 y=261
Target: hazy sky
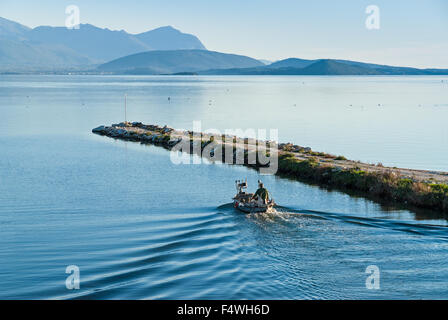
x=412 y=32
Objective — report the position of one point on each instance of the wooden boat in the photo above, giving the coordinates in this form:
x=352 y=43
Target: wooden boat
x=245 y=202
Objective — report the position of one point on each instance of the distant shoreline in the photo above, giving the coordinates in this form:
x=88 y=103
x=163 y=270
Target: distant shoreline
x=195 y=74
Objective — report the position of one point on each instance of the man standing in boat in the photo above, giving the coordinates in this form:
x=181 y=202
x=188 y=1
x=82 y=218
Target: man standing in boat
x=261 y=196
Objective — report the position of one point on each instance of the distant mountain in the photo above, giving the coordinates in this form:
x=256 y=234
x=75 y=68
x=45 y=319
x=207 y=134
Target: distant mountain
x=168 y=38
x=303 y=63
x=18 y=53
x=294 y=66
x=291 y=63
x=12 y=30
x=80 y=48
x=104 y=45
x=98 y=44
x=177 y=61
x=22 y=56
x=331 y=67
x=163 y=50
x=266 y=62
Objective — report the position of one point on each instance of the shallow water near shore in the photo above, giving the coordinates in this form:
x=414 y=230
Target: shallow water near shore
x=140 y=227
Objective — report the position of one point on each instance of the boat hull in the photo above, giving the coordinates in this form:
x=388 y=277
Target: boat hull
x=250 y=208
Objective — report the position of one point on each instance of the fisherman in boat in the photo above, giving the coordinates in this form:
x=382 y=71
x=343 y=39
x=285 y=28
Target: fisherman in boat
x=261 y=196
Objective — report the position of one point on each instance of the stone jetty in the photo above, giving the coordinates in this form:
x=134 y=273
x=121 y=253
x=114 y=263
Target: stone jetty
x=409 y=187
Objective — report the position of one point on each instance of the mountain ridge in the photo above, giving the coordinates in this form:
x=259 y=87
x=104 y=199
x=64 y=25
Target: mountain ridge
x=295 y=66
x=176 y=61
x=96 y=50
x=23 y=48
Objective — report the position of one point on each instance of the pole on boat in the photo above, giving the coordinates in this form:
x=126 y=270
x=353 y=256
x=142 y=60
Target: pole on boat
x=125 y=107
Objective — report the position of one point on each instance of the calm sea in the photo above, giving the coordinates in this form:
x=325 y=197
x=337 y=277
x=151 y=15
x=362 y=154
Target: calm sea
x=140 y=227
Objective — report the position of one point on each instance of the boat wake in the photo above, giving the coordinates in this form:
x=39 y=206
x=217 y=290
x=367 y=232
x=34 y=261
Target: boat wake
x=281 y=213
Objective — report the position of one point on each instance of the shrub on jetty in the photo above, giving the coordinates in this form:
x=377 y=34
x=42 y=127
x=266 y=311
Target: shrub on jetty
x=387 y=185
x=440 y=188
x=165 y=138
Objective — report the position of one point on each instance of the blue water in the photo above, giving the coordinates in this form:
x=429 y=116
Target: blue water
x=141 y=227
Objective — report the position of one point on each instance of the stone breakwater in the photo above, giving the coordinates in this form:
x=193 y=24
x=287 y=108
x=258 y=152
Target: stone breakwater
x=412 y=188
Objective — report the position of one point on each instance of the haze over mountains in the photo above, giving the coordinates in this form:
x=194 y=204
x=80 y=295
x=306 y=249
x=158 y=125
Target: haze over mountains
x=163 y=50
x=294 y=66
x=52 y=48
x=177 y=61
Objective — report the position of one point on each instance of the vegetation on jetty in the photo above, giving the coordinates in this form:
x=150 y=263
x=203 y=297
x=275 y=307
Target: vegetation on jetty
x=419 y=188
x=385 y=184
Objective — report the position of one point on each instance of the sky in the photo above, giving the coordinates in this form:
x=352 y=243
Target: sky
x=411 y=33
